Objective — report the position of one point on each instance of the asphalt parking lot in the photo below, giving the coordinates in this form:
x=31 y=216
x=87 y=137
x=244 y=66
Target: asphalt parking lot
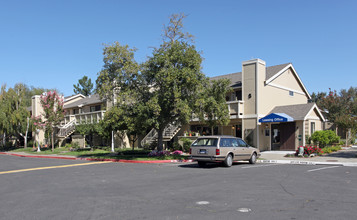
x=173 y=191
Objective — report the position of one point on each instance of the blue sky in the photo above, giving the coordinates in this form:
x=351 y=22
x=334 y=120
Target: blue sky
x=52 y=44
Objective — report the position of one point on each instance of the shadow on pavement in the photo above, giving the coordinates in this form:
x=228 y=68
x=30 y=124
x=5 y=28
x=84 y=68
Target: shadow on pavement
x=351 y=153
x=209 y=165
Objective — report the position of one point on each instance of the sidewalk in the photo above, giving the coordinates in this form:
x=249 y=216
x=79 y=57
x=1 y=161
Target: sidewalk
x=344 y=157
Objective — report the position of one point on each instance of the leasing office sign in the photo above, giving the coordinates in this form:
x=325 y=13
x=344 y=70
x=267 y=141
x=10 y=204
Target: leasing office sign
x=276 y=117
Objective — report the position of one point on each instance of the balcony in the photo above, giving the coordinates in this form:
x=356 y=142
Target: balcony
x=88 y=117
x=236 y=110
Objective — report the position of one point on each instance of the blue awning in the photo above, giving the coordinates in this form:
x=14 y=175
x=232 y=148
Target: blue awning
x=276 y=117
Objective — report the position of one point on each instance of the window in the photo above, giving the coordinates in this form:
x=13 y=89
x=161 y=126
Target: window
x=206 y=142
x=235 y=143
x=242 y=143
x=95 y=108
x=291 y=93
x=312 y=128
x=225 y=142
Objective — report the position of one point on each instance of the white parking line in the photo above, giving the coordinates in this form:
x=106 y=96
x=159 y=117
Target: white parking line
x=323 y=168
x=254 y=166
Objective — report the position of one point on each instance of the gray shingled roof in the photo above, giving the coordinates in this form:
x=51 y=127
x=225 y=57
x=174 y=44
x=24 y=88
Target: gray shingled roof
x=272 y=70
x=298 y=112
x=236 y=78
x=93 y=99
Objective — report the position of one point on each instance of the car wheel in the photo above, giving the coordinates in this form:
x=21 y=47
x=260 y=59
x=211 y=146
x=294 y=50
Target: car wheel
x=201 y=163
x=253 y=158
x=228 y=161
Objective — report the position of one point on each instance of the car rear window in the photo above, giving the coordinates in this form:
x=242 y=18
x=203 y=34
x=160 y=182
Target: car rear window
x=210 y=142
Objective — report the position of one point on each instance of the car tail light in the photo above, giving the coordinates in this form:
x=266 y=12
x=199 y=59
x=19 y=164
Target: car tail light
x=190 y=150
x=218 y=152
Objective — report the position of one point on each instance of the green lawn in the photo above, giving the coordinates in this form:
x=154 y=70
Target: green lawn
x=120 y=154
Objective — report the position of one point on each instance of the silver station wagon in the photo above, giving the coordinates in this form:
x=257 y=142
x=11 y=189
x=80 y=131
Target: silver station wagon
x=224 y=149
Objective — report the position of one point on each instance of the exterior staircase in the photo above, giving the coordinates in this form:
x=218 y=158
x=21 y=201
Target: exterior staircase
x=169 y=132
x=66 y=130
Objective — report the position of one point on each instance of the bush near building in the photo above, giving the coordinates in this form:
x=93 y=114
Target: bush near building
x=324 y=138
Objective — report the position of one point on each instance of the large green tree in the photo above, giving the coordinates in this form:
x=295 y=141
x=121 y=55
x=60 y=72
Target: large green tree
x=84 y=86
x=162 y=91
x=341 y=108
x=213 y=109
x=14 y=117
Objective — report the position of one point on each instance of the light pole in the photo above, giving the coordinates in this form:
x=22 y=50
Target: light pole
x=112 y=141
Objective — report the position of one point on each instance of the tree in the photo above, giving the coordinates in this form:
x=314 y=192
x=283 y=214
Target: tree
x=84 y=86
x=14 y=116
x=52 y=105
x=128 y=119
x=341 y=108
x=164 y=90
x=213 y=107
x=174 y=71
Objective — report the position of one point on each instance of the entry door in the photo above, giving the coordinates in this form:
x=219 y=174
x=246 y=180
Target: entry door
x=287 y=135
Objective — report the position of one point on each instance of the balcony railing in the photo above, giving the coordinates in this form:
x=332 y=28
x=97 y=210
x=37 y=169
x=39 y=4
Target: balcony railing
x=88 y=117
x=236 y=109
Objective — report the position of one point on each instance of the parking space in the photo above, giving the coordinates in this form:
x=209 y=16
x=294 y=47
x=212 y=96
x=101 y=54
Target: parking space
x=178 y=191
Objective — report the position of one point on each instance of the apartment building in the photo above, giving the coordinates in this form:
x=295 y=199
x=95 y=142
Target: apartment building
x=269 y=107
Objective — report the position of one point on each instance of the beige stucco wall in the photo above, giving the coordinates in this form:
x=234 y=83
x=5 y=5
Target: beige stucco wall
x=299 y=134
x=264 y=141
x=248 y=87
x=249 y=127
x=288 y=79
x=37 y=110
x=272 y=96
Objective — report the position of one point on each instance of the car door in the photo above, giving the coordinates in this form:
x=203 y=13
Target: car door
x=244 y=150
x=235 y=149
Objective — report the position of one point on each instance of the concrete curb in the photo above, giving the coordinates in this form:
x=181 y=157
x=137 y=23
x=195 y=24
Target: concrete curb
x=298 y=162
x=96 y=159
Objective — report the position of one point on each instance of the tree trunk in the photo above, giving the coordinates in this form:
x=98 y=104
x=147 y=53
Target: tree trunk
x=133 y=142
x=52 y=140
x=212 y=130
x=160 y=139
x=347 y=136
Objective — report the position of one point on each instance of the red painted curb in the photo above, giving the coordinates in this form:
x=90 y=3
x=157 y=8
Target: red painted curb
x=97 y=159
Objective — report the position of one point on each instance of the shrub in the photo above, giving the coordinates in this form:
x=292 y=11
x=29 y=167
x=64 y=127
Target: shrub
x=186 y=144
x=30 y=143
x=176 y=147
x=308 y=150
x=150 y=146
x=324 y=138
x=328 y=150
x=156 y=153
x=177 y=152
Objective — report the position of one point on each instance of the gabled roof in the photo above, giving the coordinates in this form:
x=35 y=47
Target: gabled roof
x=236 y=78
x=276 y=73
x=89 y=100
x=298 y=112
x=272 y=70
x=68 y=98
